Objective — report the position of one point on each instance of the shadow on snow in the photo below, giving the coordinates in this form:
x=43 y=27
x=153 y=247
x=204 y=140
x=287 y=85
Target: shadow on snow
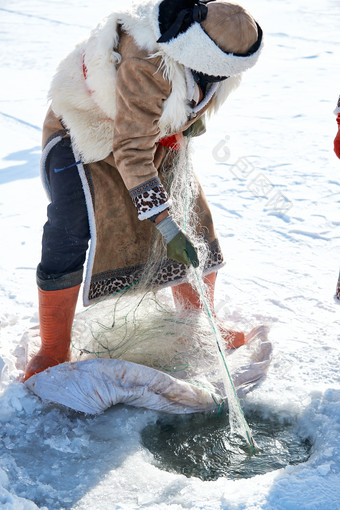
x=26 y=165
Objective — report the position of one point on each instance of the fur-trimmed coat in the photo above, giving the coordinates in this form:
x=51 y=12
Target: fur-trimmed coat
x=119 y=93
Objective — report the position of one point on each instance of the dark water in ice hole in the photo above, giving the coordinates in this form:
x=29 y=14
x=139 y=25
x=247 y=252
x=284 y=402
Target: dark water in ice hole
x=202 y=446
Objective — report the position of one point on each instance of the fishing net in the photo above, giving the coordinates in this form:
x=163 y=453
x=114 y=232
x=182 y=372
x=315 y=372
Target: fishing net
x=146 y=329
x=139 y=348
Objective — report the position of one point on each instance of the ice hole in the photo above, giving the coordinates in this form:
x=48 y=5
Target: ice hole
x=202 y=446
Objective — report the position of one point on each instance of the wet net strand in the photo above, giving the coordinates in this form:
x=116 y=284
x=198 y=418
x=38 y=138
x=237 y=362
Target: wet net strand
x=237 y=419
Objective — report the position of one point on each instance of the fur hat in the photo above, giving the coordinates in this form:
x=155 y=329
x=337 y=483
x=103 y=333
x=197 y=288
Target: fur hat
x=213 y=38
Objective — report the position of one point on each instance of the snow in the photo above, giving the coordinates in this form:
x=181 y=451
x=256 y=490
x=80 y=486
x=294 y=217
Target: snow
x=273 y=136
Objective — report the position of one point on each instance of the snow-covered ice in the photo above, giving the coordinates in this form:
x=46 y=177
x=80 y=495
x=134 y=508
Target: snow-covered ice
x=273 y=182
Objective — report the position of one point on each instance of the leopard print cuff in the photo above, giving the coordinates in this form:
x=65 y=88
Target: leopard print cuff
x=150 y=198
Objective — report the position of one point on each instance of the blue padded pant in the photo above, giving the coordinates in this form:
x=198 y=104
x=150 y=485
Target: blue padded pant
x=66 y=233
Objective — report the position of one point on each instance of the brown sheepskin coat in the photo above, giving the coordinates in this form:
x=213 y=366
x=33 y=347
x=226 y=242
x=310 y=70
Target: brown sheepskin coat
x=121 y=244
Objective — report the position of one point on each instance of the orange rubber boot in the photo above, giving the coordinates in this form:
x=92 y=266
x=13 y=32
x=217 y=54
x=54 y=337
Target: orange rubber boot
x=185 y=295
x=56 y=314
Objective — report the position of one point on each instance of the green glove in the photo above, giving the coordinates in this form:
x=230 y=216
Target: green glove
x=181 y=249
x=178 y=245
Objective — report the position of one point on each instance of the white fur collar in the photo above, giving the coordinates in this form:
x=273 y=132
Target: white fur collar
x=88 y=106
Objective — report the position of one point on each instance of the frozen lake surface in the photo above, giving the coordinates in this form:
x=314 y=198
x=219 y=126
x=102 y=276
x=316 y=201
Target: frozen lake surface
x=273 y=183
